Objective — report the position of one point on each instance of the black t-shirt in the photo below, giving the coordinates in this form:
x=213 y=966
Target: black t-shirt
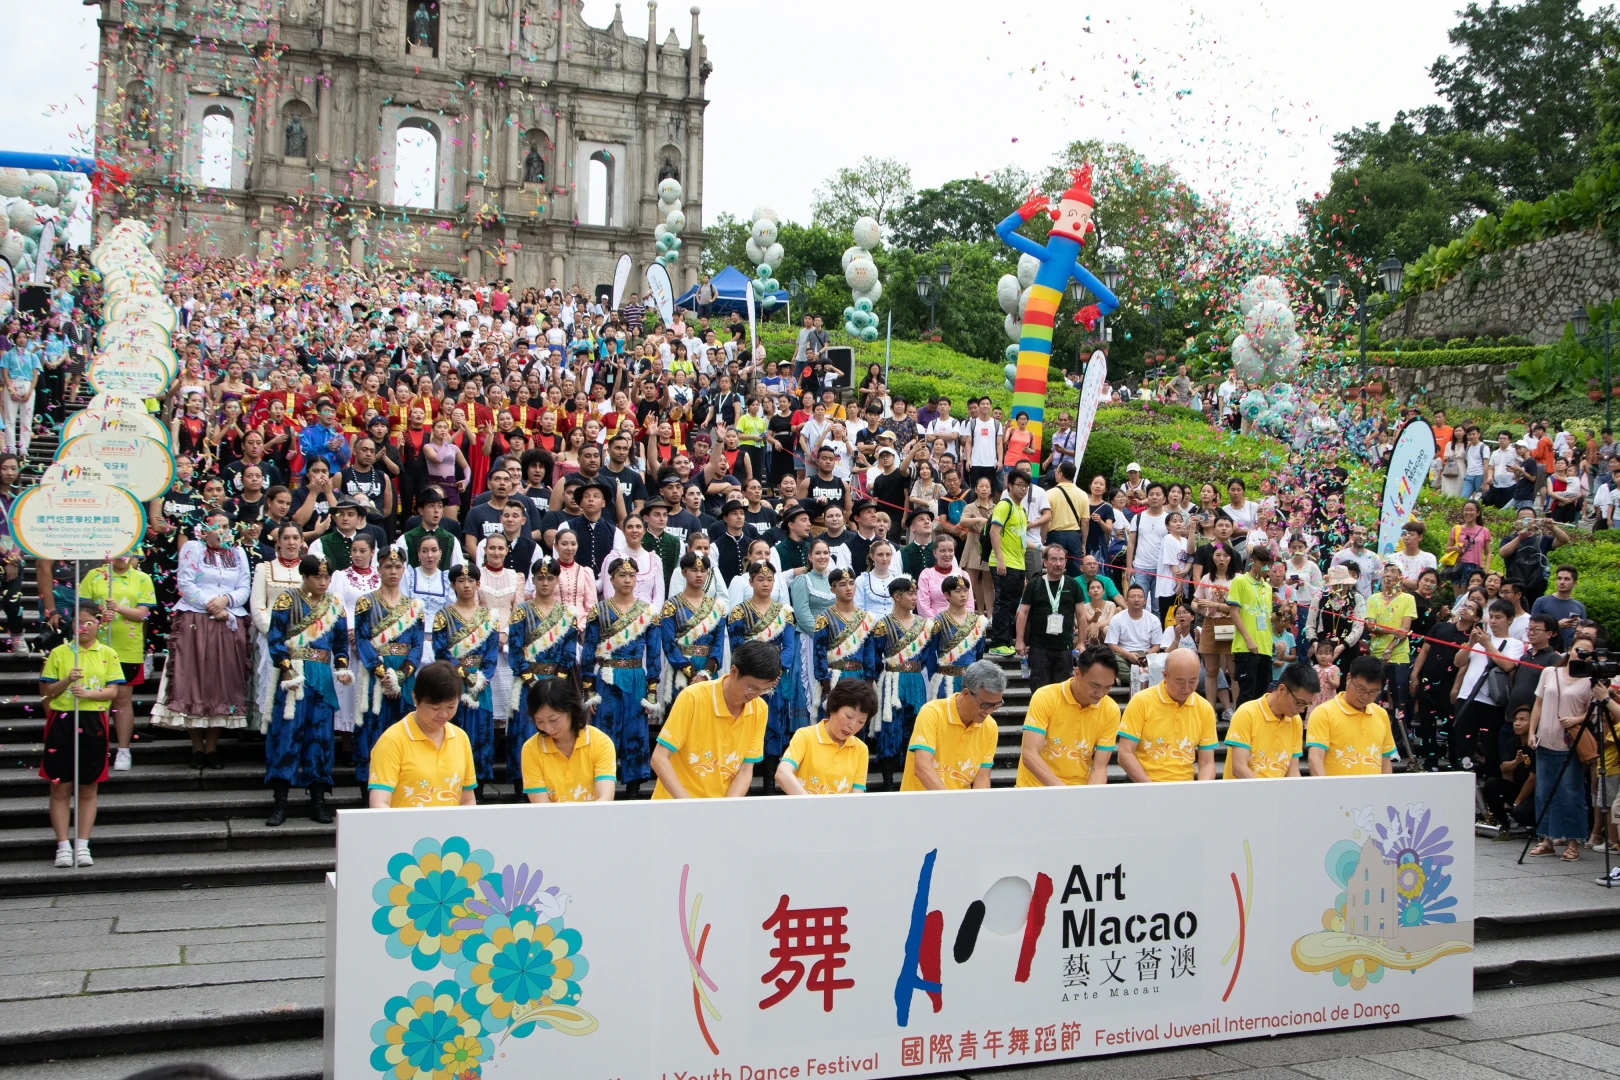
x=485 y=520
x=233 y=475
x=684 y=523
x=889 y=490
x=1439 y=669
x=369 y=483
x=761 y=523
x=630 y=486
x=713 y=504
x=822 y=494
x=1205 y=557
x=1038 y=597
x=1524 y=487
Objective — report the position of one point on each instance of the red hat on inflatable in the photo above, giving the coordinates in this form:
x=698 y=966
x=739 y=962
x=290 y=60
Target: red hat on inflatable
x=1080 y=189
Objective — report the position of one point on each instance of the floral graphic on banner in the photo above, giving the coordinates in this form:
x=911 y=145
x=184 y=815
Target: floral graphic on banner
x=517 y=964
x=1394 y=908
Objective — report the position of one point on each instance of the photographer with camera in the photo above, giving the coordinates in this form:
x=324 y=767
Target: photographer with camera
x=1525 y=551
x=1563 y=699
x=1589 y=660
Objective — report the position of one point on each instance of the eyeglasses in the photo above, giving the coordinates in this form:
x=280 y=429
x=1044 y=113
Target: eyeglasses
x=991 y=707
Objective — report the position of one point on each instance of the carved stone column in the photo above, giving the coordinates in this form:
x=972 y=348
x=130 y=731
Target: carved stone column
x=323 y=107
x=514 y=148
x=562 y=165
x=652 y=46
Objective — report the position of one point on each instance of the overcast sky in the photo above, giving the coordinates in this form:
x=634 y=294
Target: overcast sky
x=1243 y=96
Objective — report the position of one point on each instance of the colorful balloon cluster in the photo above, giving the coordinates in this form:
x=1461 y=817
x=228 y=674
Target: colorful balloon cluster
x=1012 y=293
x=1269 y=348
x=666 y=236
x=764 y=250
x=1273 y=409
x=861 y=272
x=28 y=202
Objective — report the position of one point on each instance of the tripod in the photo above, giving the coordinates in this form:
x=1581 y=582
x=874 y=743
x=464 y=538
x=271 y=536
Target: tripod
x=1588 y=725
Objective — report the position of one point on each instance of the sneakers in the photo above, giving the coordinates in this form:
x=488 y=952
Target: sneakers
x=81 y=854
x=121 y=761
x=64 y=855
x=1003 y=650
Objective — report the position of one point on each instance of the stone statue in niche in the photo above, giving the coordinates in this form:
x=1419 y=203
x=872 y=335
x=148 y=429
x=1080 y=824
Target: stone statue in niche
x=297 y=138
x=534 y=167
x=297 y=10
x=422 y=23
x=138 y=112
x=668 y=171
x=535 y=26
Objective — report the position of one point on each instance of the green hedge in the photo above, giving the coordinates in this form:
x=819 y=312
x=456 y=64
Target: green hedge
x=1449 y=357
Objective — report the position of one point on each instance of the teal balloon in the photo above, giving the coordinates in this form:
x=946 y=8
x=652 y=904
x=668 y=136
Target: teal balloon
x=1253 y=404
x=1280 y=392
x=773 y=285
x=852 y=330
x=768 y=303
x=1012 y=353
x=1011 y=371
x=870 y=333
x=674 y=242
x=863 y=304
x=763 y=271
x=849 y=313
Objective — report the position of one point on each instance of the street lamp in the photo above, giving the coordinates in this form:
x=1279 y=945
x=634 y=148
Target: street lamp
x=793 y=294
x=1390 y=273
x=1150 y=310
x=928 y=294
x=1582 y=323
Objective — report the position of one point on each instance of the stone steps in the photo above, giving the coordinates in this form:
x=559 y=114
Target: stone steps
x=282 y=1059
x=187 y=870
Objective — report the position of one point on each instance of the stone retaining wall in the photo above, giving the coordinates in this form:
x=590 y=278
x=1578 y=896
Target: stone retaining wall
x=1464 y=385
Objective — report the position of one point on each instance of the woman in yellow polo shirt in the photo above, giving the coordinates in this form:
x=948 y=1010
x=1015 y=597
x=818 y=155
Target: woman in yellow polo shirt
x=829 y=758
x=425 y=760
x=567 y=760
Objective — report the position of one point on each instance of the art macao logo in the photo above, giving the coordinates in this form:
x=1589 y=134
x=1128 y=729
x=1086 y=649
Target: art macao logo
x=515 y=965
x=1395 y=905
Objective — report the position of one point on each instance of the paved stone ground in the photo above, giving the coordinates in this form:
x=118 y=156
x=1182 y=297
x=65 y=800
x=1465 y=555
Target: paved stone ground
x=78 y=964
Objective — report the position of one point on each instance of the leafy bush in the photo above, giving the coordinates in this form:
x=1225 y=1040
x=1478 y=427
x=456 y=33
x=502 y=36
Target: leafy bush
x=1458 y=343
x=1484 y=341
x=1429 y=343
x=1452 y=357
x=1539 y=381
x=1513 y=339
x=1106 y=455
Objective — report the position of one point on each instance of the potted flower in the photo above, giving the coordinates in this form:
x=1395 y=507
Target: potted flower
x=1594 y=389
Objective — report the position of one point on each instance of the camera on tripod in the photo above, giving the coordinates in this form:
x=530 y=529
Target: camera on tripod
x=1599 y=664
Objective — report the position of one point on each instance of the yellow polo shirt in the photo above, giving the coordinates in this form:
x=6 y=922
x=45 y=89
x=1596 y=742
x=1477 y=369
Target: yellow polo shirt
x=706 y=744
x=1271 y=740
x=1386 y=612
x=416 y=773
x=132 y=588
x=826 y=767
x=1073 y=732
x=572 y=778
x=1354 y=743
x=959 y=751
x=1168 y=736
x=98 y=666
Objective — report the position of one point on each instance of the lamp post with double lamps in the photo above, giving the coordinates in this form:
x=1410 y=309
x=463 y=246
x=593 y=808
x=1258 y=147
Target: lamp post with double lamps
x=1390 y=273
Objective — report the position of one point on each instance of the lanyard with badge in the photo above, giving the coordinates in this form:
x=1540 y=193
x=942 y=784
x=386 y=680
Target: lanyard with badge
x=1054 y=621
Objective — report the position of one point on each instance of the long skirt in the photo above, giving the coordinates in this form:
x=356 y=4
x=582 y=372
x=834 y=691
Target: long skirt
x=205 y=681
x=298 y=749
x=1565 y=818
x=347 y=709
x=375 y=722
x=479 y=724
x=622 y=718
x=789 y=711
x=261 y=683
x=900 y=695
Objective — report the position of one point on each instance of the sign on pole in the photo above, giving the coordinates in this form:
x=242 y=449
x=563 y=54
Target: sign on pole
x=141 y=465
x=621 y=279
x=143 y=375
x=1408 y=470
x=1086 y=414
x=748 y=302
x=122 y=421
x=663 y=292
x=77 y=521
x=698 y=949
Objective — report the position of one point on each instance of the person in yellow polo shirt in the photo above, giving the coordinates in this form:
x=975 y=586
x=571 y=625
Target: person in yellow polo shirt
x=715 y=733
x=1350 y=735
x=83 y=679
x=953 y=746
x=425 y=760
x=829 y=758
x=1069 y=731
x=567 y=760
x=1265 y=739
x=1168 y=731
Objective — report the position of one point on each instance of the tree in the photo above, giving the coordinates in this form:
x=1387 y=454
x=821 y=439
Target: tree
x=876 y=187
x=957 y=210
x=727 y=245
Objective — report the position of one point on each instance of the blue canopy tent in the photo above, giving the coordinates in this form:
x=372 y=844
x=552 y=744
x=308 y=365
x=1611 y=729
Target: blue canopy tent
x=730 y=291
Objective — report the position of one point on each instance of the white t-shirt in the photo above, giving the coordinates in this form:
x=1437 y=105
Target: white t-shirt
x=1509 y=647
x=1519 y=625
x=1134 y=635
x=1413 y=565
x=1150 y=533
x=1243 y=520
x=983 y=434
x=1036 y=503
x=1475 y=454
x=1500 y=460
x=1175 y=565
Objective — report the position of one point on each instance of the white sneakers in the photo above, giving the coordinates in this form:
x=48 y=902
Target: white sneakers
x=68 y=855
x=121 y=760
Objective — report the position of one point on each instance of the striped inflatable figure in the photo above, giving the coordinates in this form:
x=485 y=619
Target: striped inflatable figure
x=1059 y=262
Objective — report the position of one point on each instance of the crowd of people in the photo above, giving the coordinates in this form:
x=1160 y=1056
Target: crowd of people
x=419 y=522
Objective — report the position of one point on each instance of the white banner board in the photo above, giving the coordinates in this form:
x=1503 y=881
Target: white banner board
x=894 y=934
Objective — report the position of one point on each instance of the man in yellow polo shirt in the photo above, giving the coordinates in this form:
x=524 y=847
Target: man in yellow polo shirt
x=1069 y=731
x=1168 y=731
x=953 y=746
x=425 y=760
x=830 y=758
x=1249 y=597
x=1265 y=739
x=1350 y=735
x=715 y=733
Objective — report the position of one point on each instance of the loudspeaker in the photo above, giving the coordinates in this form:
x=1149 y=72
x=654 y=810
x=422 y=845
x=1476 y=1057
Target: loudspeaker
x=842 y=357
x=35 y=300
x=604 y=295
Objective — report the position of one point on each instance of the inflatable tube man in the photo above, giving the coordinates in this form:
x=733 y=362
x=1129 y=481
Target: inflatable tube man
x=1059 y=262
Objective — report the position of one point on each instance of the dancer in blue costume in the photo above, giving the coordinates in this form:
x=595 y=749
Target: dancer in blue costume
x=904 y=643
x=309 y=648
x=759 y=618
x=542 y=643
x=694 y=630
x=623 y=652
x=389 y=628
x=960 y=636
x=466 y=634
x=842 y=645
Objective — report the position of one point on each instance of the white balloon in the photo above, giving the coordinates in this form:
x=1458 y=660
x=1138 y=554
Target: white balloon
x=1288 y=360
x=755 y=253
x=861 y=274
x=669 y=190
x=1260 y=289
x=875 y=293
x=1028 y=267
x=1014 y=328
x=1246 y=359
x=21 y=215
x=13 y=182
x=867 y=233
x=764 y=232
x=11 y=247
x=1270 y=325
x=660 y=231
x=1007 y=293
x=762 y=213
x=42 y=189
x=676 y=221
x=853 y=253
x=773 y=255
x=1023 y=301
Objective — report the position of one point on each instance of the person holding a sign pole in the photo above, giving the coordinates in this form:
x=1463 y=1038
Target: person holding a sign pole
x=127 y=598
x=78 y=684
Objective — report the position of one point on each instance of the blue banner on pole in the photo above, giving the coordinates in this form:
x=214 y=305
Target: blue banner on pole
x=1408 y=471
